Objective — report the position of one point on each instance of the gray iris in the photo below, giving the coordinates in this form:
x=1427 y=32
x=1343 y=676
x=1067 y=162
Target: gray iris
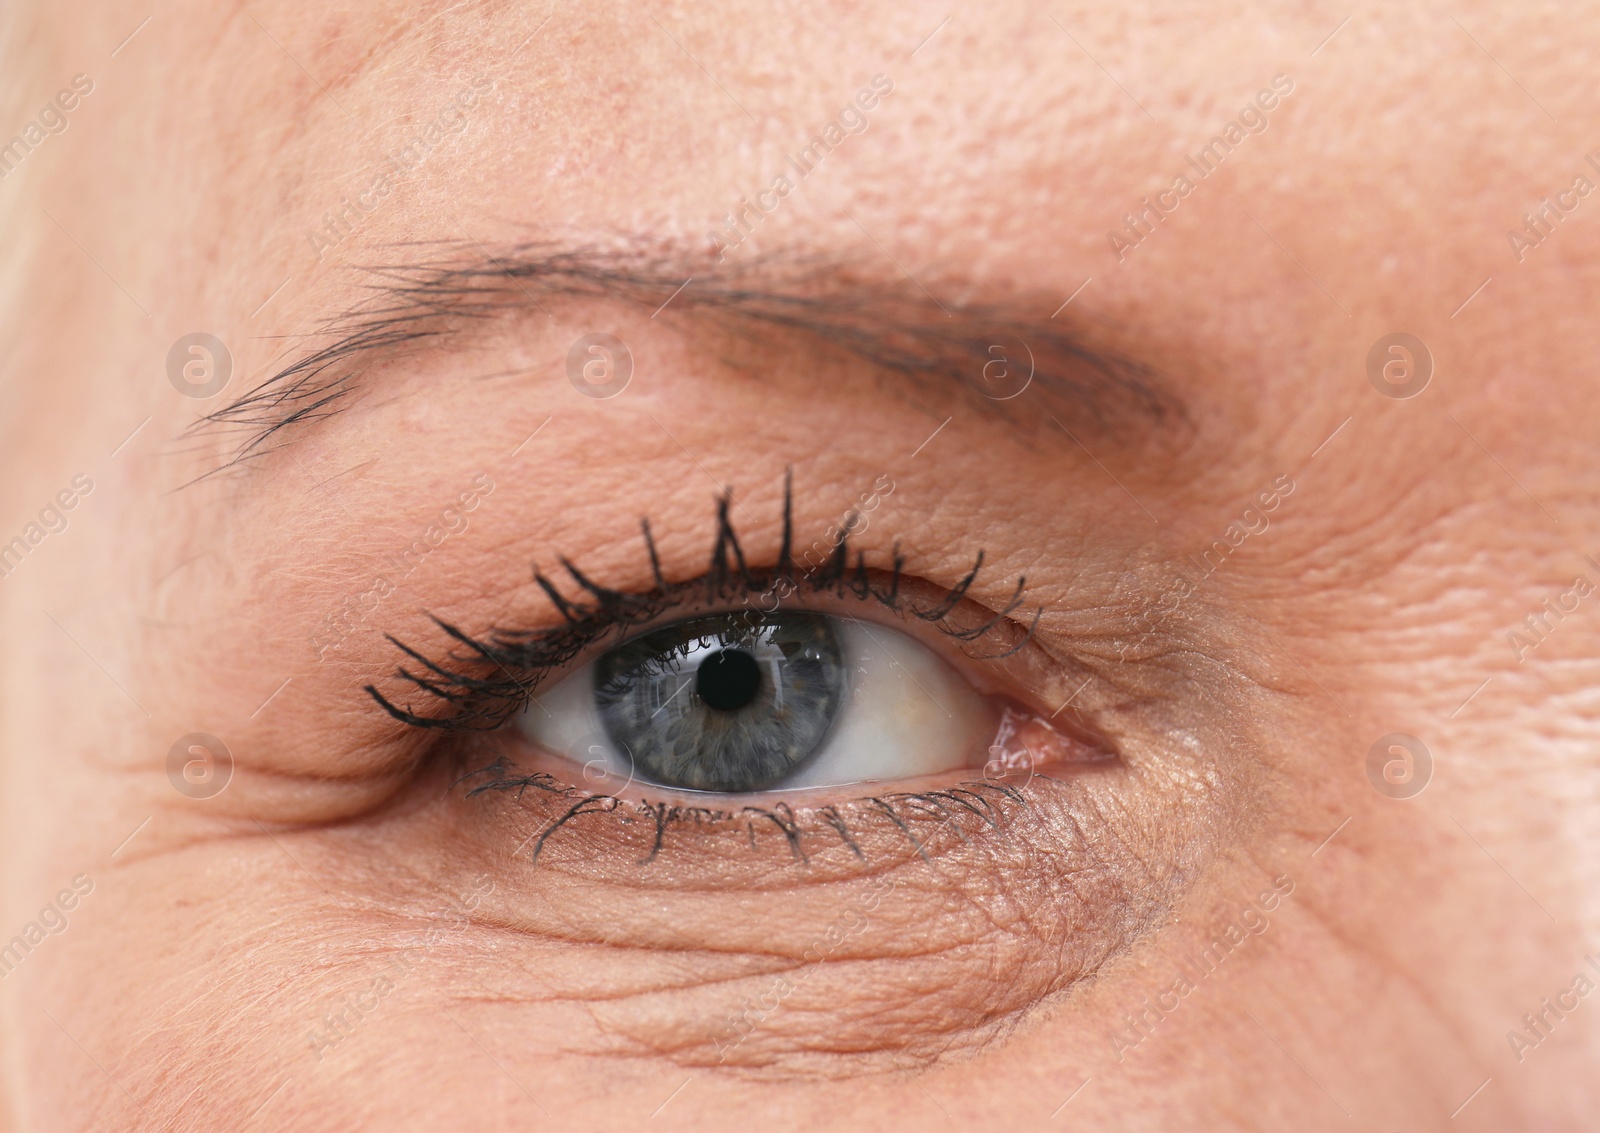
x=735 y=702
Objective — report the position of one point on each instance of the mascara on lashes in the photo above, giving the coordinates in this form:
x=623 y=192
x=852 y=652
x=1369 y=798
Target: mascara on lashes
x=497 y=676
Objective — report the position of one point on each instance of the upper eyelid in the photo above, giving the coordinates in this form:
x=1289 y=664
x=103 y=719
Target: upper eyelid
x=505 y=649
x=484 y=702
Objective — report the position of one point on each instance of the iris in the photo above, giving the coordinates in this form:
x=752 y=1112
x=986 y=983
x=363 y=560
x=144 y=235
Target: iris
x=734 y=702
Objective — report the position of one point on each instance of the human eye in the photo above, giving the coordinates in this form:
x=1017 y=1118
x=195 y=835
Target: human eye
x=784 y=684
x=670 y=755
x=1010 y=736
x=755 y=701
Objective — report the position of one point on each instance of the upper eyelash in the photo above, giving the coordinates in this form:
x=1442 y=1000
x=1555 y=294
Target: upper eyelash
x=486 y=702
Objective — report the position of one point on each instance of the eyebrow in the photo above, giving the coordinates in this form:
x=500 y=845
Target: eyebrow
x=429 y=303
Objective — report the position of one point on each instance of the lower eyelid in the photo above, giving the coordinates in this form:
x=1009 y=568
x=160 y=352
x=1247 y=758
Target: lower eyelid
x=510 y=663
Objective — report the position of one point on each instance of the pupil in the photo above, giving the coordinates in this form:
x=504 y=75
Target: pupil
x=728 y=680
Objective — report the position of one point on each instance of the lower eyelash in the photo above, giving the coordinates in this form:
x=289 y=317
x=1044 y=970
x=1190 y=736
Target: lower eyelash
x=897 y=808
x=516 y=661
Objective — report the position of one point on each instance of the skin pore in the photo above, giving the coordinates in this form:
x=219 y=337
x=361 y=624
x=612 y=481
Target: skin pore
x=1253 y=563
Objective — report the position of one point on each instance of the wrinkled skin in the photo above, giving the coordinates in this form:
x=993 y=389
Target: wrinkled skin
x=1392 y=946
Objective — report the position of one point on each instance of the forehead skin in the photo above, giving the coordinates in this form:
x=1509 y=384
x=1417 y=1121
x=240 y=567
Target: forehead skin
x=185 y=195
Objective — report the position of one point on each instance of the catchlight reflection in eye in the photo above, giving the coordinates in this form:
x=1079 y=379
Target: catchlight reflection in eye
x=752 y=701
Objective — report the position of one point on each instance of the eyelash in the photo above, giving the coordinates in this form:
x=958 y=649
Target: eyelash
x=525 y=658
x=781 y=815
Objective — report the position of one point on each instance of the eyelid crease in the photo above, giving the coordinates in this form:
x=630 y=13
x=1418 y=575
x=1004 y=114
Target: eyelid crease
x=484 y=700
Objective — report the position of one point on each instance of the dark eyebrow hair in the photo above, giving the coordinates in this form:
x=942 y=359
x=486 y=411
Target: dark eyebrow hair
x=425 y=302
